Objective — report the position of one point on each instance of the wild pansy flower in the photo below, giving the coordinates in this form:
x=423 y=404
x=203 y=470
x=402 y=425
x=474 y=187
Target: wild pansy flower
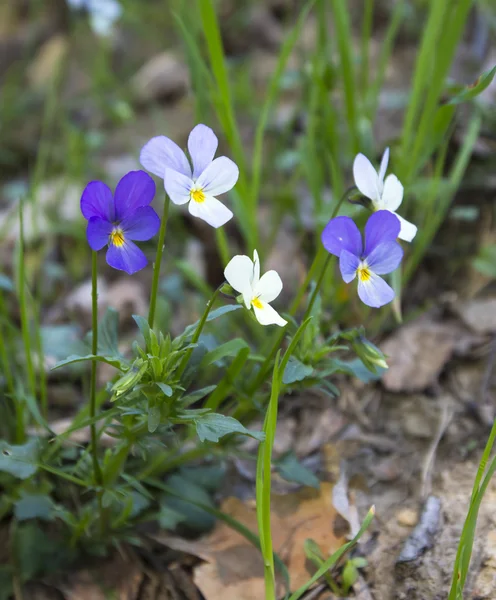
x=120 y=219
x=103 y=13
x=386 y=194
x=243 y=274
x=380 y=254
x=199 y=185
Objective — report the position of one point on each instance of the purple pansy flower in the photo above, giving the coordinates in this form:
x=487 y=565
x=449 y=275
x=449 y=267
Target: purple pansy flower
x=381 y=253
x=199 y=185
x=119 y=219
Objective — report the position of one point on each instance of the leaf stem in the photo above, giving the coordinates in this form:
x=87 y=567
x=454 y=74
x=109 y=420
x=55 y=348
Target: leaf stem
x=94 y=350
x=158 y=261
x=196 y=336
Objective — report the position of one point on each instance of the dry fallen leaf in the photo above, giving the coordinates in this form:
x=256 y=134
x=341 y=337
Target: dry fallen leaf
x=234 y=567
x=479 y=314
x=417 y=353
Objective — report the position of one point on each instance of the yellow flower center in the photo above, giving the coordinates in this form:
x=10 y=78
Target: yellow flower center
x=117 y=238
x=256 y=302
x=364 y=273
x=197 y=195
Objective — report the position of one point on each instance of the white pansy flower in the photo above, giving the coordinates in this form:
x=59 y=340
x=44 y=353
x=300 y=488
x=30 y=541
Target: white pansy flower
x=386 y=194
x=243 y=274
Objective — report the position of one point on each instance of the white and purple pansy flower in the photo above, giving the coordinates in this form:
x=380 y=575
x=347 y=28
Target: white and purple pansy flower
x=197 y=185
x=121 y=219
x=385 y=194
x=381 y=253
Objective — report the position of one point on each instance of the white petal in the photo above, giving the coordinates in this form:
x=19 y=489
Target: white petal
x=408 y=230
x=238 y=274
x=384 y=165
x=269 y=286
x=177 y=186
x=202 y=146
x=366 y=178
x=392 y=196
x=256 y=269
x=268 y=316
x=211 y=210
x=161 y=153
x=220 y=176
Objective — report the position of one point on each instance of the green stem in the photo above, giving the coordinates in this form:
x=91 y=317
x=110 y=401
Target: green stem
x=94 y=350
x=158 y=261
x=222 y=245
x=196 y=336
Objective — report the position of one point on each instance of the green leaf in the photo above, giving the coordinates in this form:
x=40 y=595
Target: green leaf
x=471 y=91
x=290 y=468
x=295 y=371
x=60 y=341
x=196 y=519
x=143 y=326
x=485 y=263
x=153 y=418
x=169 y=518
x=230 y=348
x=108 y=342
x=213 y=426
x=34 y=506
x=215 y=314
x=110 y=360
x=19 y=461
x=210 y=477
x=197 y=395
x=166 y=389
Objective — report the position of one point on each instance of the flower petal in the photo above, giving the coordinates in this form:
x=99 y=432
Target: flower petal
x=366 y=178
x=135 y=189
x=385 y=257
x=161 y=153
x=392 y=196
x=211 y=210
x=97 y=201
x=141 y=225
x=256 y=269
x=268 y=316
x=238 y=274
x=384 y=165
x=128 y=257
x=375 y=292
x=348 y=265
x=97 y=232
x=202 y=146
x=382 y=226
x=269 y=286
x=178 y=186
x=408 y=230
x=220 y=176
x=341 y=233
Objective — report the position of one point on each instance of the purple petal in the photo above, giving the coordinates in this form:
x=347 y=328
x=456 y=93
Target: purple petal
x=141 y=225
x=177 y=186
x=128 y=258
x=385 y=257
x=135 y=189
x=340 y=234
x=202 y=145
x=375 y=292
x=348 y=265
x=97 y=201
x=97 y=232
x=382 y=226
x=220 y=176
x=161 y=153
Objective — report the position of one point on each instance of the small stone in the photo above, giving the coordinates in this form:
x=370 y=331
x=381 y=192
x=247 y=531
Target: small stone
x=408 y=517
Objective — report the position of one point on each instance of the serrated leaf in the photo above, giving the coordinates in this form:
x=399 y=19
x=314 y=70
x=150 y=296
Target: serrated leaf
x=230 y=348
x=34 y=506
x=295 y=371
x=290 y=468
x=213 y=426
x=20 y=461
x=472 y=91
x=143 y=326
x=108 y=343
